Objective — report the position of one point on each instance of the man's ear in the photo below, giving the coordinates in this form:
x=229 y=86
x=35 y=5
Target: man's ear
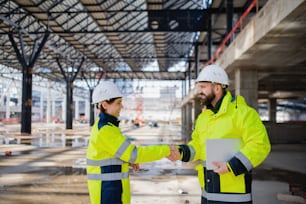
x=218 y=88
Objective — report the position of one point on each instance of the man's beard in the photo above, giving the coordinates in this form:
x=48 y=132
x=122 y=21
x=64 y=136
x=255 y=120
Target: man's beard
x=206 y=99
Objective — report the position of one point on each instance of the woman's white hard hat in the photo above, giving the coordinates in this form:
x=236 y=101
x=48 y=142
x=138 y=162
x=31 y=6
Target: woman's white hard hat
x=213 y=73
x=105 y=90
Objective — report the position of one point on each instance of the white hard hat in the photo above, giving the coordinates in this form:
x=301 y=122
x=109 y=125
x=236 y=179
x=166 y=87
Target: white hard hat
x=105 y=90
x=213 y=73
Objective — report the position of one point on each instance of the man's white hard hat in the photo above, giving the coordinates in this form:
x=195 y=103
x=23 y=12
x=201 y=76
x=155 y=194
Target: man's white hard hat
x=213 y=73
x=105 y=90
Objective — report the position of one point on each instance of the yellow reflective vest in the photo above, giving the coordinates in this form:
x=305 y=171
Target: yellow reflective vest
x=234 y=119
x=108 y=156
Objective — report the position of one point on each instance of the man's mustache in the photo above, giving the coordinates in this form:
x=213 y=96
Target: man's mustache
x=201 y=95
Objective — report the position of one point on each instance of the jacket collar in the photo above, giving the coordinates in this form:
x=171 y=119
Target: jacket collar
x=226 y=100
x=106 y=118
x=218 y=104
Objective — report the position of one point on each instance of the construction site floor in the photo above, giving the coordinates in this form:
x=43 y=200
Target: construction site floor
x=48 y=166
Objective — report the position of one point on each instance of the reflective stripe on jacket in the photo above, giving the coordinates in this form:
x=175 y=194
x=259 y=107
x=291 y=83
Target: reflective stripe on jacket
x=233 y=120
x=108 y=156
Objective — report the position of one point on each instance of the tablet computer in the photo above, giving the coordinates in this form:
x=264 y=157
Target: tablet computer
x=221 y=150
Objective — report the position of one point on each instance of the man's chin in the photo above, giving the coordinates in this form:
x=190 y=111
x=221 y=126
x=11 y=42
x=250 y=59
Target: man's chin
x=203 y=100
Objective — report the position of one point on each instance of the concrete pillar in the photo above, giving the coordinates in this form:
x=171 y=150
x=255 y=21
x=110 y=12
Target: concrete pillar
x=272 y=110
x=9 y=87
x=189 y=77
x=76 y=110
x=189 y=120
x=183 y=88
x=2 y=94
x=87 y=107
x=53 y=109
x=246 y=85
x=19 y=96
x=48 y=115
x=7 y=104
x=183 y=126
x=64 y=108
x=41 y=105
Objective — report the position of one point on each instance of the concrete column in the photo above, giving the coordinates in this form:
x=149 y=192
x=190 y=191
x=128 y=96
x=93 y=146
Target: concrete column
x=19 y=96
x=2 y=95
x=272 y=110
x=87 y=111
x=64 y=108
x=76 y=110
x=48 y=115
x=9 y=87
x=189 y=120
x=246 y=85
x=184 y=125
x=41 y=105
x=183 y=88
x=53 y=109
x=189 y=77
x=7 y=104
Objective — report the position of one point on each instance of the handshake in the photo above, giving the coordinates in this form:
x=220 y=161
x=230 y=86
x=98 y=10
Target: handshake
x=174 y=154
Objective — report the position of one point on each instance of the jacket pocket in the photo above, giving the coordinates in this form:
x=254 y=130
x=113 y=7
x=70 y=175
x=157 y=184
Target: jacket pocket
x=229 y=183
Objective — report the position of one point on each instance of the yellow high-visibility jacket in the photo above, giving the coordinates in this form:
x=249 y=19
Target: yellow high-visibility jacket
x=234 y=119
x=108 y=156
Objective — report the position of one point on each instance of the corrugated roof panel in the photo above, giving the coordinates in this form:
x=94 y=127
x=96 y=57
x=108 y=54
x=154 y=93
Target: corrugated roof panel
x=125 y=42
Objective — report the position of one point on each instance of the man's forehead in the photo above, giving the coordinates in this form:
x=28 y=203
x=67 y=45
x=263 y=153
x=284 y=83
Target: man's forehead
x=203 y=83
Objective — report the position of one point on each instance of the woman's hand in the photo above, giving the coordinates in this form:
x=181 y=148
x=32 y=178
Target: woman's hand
x=135 y=167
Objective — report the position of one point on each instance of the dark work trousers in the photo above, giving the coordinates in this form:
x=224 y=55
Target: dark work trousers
x=204 y=201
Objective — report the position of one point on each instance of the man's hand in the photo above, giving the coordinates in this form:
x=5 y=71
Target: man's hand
x=174 y=154
x=135 y=167
x=221 y=167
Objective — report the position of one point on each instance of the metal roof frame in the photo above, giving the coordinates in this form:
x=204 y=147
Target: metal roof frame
x=116 y=36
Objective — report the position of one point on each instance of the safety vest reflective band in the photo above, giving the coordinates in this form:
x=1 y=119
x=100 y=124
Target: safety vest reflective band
x=192 y=153
x=122 y=149
x=104 y=162
x=133 y=156
x=227 y=197
x=108 y=176
x=245 y=161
